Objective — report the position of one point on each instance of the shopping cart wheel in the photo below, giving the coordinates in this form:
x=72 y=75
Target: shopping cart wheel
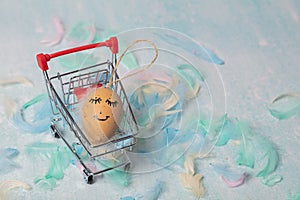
x=54 y=131
x=88 y=176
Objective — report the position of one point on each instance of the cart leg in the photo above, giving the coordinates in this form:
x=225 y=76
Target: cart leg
x=54 y=131
x=127 y=167
x=88 y=176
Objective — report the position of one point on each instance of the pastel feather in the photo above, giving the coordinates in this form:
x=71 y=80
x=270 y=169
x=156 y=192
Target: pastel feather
x=191 y=46
x=59 y=157
x=192 y=183
x=229 y=173
x=185 y=68
x=152 y=193
x=294 y=196
x=6 y=163
x=285 y=105
x=228 y=132
x=8 y=185
x=272 y=160
x=14 y=81
x=235 y=183
x=40 y=121
x=59 y=33
x=272 y=180
x=82 y=33
x=246 y=154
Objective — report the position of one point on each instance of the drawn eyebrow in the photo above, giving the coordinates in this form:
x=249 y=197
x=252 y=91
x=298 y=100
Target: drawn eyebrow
x=111 y=103
x=95 y=100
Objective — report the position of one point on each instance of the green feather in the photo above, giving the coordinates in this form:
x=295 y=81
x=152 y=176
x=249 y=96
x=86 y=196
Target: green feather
x=117 y=176
x=272 y=160
x=246 y=156
x=81 y=32
x=294 y=197
x=194 y=72
x=59 y=157
x=272 y=180
x=286 y=105
x=229 y=131
x=34 y=100
x=213 y=126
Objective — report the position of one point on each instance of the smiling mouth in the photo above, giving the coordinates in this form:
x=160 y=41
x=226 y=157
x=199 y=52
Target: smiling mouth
x=101 y=119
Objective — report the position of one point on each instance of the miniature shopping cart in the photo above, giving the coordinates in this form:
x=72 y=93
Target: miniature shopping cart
x=65 y=123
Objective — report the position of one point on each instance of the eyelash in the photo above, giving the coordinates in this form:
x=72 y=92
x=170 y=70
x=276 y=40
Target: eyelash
x=111 y=103
x=96 y=100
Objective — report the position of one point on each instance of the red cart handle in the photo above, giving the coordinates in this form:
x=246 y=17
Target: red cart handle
x=42 y=59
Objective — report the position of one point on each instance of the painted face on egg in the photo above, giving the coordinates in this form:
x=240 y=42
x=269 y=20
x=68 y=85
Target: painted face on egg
x=102 y=112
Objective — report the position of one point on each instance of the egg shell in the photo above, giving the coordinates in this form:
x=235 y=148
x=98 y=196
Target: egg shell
x=101 y=115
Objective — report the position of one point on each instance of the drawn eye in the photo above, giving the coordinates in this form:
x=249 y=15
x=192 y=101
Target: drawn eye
x=111 y=103
x=95 y=100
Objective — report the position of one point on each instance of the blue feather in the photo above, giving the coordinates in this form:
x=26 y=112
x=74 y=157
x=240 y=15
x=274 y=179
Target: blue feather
x=152 y=193
x=9 y=152
x=227 y=172
x=6 y=163
x=192 y=47
x=40 y=121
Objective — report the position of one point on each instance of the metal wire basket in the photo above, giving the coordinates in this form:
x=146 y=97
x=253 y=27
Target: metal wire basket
x=65 y=123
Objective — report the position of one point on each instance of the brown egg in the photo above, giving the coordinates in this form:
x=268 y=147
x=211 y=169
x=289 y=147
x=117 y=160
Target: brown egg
x=102 y=112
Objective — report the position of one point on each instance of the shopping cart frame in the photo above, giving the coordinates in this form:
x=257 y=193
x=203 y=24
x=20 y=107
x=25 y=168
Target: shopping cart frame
x=62 y=104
